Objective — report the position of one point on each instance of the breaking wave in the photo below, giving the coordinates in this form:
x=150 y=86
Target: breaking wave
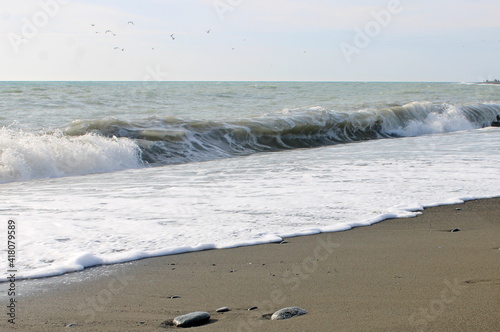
x=28 y=156
x=111 y=144
x=171 y=140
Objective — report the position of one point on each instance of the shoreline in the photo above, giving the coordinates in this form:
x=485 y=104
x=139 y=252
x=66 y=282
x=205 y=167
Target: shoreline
x=409 y=274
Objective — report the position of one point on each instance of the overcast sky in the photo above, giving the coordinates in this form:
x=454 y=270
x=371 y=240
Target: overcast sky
x=239 y=40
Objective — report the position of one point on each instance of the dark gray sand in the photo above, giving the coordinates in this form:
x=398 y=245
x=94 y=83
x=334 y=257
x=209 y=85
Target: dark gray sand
x=399 y=275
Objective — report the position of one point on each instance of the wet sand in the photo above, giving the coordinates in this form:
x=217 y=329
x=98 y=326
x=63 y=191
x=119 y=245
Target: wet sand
x=398 y=275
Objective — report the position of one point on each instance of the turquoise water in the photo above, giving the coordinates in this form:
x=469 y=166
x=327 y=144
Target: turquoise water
x=102 y=173
x=55 y=104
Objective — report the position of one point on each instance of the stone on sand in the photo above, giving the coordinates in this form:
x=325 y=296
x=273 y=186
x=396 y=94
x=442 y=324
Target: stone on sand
x=192 y=319
x=289 y=312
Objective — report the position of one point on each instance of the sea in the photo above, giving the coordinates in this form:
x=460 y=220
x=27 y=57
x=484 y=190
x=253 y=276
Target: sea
x=97 y=173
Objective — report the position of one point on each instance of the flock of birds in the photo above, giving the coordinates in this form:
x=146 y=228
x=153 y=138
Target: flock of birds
x=132 y=23
x=172 y=36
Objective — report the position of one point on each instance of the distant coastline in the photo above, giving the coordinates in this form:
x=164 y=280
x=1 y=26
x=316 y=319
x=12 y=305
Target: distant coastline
x=490 y=82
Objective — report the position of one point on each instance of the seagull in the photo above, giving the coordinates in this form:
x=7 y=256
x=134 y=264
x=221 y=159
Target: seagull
x=172 y=35
x=130 y=22
x=108 y=31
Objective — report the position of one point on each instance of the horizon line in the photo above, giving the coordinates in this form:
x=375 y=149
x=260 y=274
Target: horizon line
x=226 y=81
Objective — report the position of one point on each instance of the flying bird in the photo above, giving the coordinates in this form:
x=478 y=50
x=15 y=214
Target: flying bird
x=130 y=22
x=208 y=31
x=172 y=36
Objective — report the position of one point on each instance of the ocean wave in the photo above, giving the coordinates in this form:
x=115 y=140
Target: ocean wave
x=111 y=144
x=28 y=156
x=170 y=140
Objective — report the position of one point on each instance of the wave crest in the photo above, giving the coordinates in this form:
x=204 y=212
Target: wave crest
x=172 y=140
x=28 y=156
x=111 y=144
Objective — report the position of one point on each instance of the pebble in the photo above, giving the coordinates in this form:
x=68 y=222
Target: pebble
x=252 y=308
x=223 y=309
x=71 y=325
x=455 y=230
x=192 y=319
x=289 y=312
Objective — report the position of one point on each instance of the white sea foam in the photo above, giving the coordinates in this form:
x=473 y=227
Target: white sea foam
x=94 y=203
x=450 y=119
x=28 y=156
x=68 y=224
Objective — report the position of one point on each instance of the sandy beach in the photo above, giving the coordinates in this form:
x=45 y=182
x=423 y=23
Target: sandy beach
x=398 y=275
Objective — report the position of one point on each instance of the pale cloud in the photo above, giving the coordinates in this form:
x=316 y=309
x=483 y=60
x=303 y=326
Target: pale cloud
x=287 y=14
x=323 y=14
x=301 y=14
x=440 y=15
x=254 y=39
